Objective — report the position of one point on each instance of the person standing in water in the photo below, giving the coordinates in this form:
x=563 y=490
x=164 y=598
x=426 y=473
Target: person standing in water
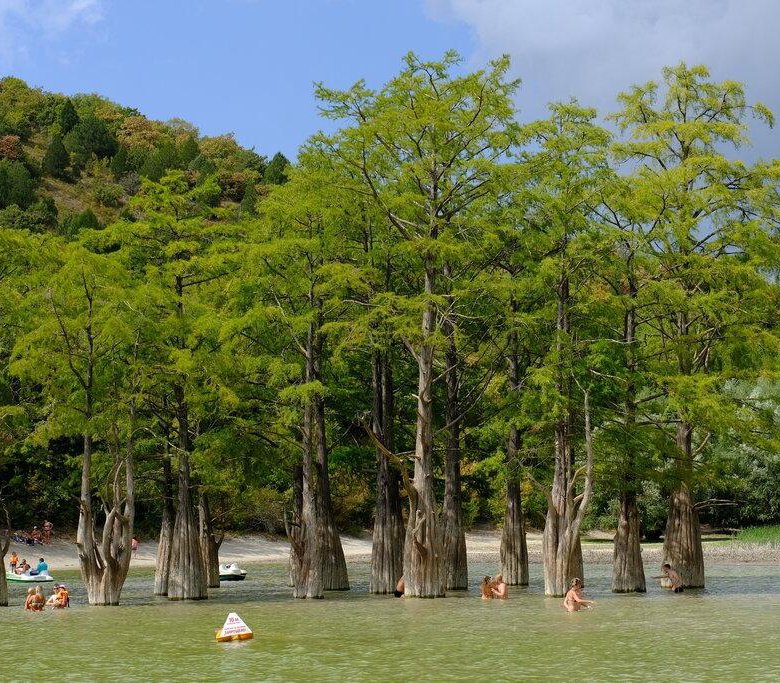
x=400 y=588
x=499 y=588
x=675 y=582
x=574 y=602
x=486 y=588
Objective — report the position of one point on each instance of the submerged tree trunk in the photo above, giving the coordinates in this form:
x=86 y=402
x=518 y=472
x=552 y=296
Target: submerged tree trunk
x=682 y=540
x=628 y=574
x=104 y=565
x=187 y=575
x=514 y=550
x=423 y=553
x=208 y=541
x=334 y=564
x=387 y=540
x=306 y=540
x=561 y=549
x=5 y=542
x=453 y=534
x=163 y=563
x=309 y=541
x=293 y=527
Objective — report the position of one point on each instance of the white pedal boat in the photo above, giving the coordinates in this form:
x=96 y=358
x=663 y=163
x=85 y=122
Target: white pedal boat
x=28 y=578
x=231 y=572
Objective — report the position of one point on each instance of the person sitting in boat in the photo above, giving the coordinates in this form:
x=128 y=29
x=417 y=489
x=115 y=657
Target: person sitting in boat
x=23 y=567
x=13 y=562
x=42 y=567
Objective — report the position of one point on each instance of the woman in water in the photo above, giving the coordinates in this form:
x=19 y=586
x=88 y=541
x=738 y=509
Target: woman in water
x=486 y=588
x=574 y=602
x=499 y=588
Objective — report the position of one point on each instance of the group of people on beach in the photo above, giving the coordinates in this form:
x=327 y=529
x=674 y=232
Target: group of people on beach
x=23 y=567
x=36 y=536
x=35 y=602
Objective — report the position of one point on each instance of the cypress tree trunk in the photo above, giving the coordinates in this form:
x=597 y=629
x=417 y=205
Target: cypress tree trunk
x=187 y=575
x=104 y=566
x=294 y=528
x=3 y=585
x=514 y=550
x=4 y=544
x=387 y=541
x=423 y=553
x=163 y=563
x=334 y=568
x=628 y=574
x=208 y=542
x=454 y=535
x=561 y=549
x=682 y=540
x=307 y=542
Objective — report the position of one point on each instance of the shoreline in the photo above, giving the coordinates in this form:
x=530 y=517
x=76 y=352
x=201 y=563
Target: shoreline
x=253 y=548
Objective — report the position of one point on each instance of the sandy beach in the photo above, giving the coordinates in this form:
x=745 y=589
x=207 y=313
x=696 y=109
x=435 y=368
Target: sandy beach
x=61 y=553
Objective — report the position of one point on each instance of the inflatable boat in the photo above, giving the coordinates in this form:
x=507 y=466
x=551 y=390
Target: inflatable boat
x=231 y=572
x=28 y=578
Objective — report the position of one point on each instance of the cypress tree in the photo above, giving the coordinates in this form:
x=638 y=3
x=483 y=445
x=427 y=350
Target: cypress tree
x=275 y=172
x=56 y=160
x=67 y=118
x=249 y=200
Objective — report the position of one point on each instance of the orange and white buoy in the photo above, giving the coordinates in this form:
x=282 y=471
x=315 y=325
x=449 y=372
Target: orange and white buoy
x=234 y=629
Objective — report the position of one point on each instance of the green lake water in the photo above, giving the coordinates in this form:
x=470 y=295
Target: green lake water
x=728 y=632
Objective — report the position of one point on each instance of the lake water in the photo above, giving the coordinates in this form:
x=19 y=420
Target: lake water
x=728 y=632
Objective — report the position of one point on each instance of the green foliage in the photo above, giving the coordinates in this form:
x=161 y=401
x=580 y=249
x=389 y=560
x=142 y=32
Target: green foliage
x=108 y=194
x=764 y=535
x=276 y=171
x=90 y=136
x=56 y=160
x=249 y=200
x=74 y=223
x=121 y=163
x=533 y=246
x=67 y=118
x=16 y=184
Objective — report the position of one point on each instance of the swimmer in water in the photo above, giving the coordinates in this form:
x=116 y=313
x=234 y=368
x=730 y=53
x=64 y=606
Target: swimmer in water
x=574 y=602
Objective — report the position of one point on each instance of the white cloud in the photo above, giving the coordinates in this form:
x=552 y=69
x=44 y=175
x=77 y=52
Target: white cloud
x=592 y=49
x=22 y=21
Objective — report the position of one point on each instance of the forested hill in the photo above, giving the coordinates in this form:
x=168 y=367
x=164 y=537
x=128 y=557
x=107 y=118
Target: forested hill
x=73 y=162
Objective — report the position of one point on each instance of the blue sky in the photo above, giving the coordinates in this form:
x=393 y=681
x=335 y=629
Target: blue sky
x=248 y=66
